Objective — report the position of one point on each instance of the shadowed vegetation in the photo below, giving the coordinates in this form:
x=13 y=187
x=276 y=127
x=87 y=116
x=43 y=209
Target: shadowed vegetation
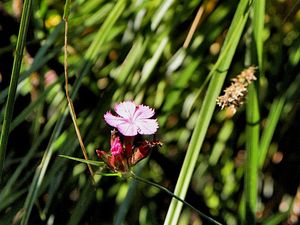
x=238 y=167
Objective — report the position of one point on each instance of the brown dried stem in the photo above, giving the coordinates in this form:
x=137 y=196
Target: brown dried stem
x=70 y=103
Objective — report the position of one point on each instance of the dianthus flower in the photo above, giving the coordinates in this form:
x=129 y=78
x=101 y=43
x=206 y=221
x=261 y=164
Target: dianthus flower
x=132 y=119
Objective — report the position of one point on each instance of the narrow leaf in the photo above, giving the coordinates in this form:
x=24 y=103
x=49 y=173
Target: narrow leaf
x=91 y=162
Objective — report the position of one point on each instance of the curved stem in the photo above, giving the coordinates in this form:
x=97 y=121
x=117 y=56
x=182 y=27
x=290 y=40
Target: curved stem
x=174 y=196
x=70 y=103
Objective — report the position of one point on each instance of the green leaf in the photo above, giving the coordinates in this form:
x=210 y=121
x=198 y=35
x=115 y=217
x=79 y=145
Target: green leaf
x=27 y=7
x=92 y=162
x=218 y=76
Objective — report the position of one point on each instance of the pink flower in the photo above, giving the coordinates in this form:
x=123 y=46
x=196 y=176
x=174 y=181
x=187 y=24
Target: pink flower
x=116 y=145
x=122 y=159
x=132 y=119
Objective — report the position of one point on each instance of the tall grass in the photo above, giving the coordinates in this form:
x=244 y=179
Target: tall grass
x=218 y=74
x=14 y=81
x=171 y=55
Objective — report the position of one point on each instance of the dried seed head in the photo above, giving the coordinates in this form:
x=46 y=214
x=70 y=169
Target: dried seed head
x=235 y=94
x=246 y=76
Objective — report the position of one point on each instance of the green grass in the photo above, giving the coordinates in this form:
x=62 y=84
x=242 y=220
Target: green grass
x=14 y=81
x=223 y=165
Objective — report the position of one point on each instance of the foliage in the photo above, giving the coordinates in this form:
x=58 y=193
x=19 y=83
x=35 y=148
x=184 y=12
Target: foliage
x=177 y=57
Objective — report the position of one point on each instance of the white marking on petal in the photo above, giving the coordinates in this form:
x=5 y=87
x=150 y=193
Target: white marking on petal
x=146 y=126
x=126 y=109
x=143 y=112
x=128 y=129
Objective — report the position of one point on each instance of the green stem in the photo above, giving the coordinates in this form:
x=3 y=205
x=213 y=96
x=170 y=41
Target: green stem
x=254 y=52
x=251 y=172
x=14 y=80
x=174 y=196
x=218 y=75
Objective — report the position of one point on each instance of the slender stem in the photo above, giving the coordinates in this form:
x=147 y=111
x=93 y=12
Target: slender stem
x=194 y=26
x=14 y=80
x=174 y=196
x=251 y=172
x=70 y=103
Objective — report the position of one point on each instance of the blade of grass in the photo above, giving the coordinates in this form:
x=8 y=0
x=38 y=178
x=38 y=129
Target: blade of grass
x=90 y=57
x=151 y=63
x=130 y=62
x=206 y=111
x=173 y=95
x=252 y=138
x=11 y=199
x=277 y=105
x=91 y=162
x=258 y=27
x=268 y=132
x=67 y=147
x=253 y=116
x=27 y=6
x=8 y=188
x=280 y=217
x=159 y=14
x=220 y=143
x=273 y=119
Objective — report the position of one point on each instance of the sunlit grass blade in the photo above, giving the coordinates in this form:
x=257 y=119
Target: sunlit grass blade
x=207 y=109
x=253 y=115
x=160 y=13
x=124 y=72
x=252 y=149
x=279 y=217
x=151 y=63
x=219 y=145
x=269 y=129
x=103 y=32
x=275 y=113
x=109 y=174
x=258 y=28
x=181 y=81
